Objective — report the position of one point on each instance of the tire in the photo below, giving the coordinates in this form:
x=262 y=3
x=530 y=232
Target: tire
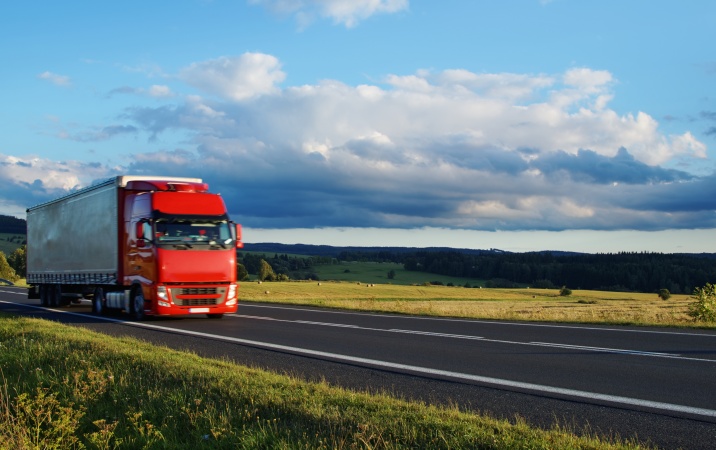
x=99 y=304
x=54 y=294
x=136 y=305
x=214 y=316
x=44 y=295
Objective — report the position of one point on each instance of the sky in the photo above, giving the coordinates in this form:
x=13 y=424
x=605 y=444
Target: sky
x=521 y=125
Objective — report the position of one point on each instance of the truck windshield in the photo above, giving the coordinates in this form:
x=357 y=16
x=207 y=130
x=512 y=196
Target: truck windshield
x=190 y=232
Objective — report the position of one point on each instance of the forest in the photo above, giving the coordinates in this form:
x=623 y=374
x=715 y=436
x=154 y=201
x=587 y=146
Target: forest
x=626 y=271
x=637 y=272
x=12 y=225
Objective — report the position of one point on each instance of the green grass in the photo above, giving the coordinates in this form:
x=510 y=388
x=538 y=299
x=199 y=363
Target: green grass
x=63 y=387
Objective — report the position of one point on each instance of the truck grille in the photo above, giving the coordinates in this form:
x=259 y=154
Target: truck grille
x=198 y=296
x=195 y=291
x=195 y=301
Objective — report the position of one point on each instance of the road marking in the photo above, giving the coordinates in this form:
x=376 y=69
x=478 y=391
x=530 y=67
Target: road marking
x=358 y=327
x=539 y=388
x=489 y=322
x=483 y=339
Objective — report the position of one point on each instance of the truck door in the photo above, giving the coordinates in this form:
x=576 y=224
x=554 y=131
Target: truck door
x=141 y=257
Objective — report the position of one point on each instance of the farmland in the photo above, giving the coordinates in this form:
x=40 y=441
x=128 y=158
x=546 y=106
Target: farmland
x=548 y=305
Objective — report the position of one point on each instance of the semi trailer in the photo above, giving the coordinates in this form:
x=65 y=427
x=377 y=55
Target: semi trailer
x=146 y=245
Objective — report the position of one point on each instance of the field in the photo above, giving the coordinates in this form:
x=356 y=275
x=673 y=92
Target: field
x=507 y=304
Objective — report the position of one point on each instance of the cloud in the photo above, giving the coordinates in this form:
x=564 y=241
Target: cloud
x=447 y=149
x=97 y=135
x=154 y=91
x=27 y=181
x=237 y=78
x=58 y=80
x=589 y=166
x=345 y=12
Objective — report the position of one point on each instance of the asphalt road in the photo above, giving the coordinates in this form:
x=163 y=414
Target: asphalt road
x=653 y=385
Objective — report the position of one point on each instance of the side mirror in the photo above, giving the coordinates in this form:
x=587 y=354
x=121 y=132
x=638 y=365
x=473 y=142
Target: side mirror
x=239 y=242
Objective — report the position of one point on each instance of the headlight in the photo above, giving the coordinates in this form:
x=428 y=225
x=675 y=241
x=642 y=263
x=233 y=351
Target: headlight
x=162 y=292
x=231 y=295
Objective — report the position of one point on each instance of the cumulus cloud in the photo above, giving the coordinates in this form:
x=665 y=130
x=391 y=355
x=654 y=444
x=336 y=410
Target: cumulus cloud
x=445 y=149
x=345 y=12
x=237 y=78
x=27 y=181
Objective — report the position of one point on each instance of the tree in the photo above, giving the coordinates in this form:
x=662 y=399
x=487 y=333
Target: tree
x=18 y=261
x=565 y=291
x=391 y=274
x=266 y=272
x=6 y=271
x=664 y=294
x=241 y=273
x=704 y=306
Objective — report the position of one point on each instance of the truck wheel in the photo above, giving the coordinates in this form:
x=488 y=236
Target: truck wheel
x=44 y=301
x=62 y=301
x=54 y=294
x=136 y=305
x=99 y=305
x=214 y=316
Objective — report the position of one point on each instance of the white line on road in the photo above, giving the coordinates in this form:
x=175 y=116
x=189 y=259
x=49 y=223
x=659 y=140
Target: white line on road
x=593 y=396
x=483 y=339
x=489 y=322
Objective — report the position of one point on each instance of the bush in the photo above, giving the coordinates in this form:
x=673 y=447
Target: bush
x=6 y=271
x=664 y=294
x=565 y=291
x=704 y=306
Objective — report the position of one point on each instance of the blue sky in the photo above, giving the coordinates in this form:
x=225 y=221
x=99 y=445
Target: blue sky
x=521 y=125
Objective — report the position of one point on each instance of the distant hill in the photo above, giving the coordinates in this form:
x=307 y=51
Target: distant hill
x=332 y=251
x=12 y=225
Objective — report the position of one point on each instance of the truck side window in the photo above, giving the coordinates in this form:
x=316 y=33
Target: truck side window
x=147 y=231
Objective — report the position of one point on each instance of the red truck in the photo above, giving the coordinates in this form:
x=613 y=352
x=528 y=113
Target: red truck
x=147 y=245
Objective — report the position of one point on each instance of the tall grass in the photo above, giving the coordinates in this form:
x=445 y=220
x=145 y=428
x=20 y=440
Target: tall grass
x=64 y=387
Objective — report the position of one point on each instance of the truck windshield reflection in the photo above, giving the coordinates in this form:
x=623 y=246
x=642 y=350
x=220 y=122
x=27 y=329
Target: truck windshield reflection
x=192 y=232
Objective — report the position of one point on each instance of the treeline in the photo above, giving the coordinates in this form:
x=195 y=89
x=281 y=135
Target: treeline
x=638 y=272
x=626 y=271
x=12 y=225
x=293 y=267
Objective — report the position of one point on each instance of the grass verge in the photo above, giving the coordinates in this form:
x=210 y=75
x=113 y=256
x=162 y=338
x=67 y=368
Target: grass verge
x=65 y=387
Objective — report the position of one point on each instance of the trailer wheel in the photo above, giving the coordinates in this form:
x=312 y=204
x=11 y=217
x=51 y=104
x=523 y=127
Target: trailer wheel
x=99 y=303
x=136 y=305
x=44 y=295
x=214 y=316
